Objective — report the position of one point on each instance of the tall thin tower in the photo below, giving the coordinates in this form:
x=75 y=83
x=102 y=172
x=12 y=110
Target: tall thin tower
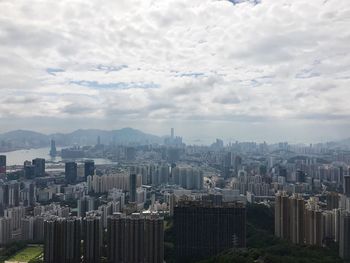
x=172 y=133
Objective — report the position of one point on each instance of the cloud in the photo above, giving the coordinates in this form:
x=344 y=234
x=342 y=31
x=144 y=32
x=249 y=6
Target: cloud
x=237 y=61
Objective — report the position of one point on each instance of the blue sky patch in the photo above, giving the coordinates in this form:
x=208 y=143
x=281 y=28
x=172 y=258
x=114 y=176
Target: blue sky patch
x=114 y=85
x=53 y=71
x=235 y=2
x=190 y=74
x=306 y=74
x=108 y=69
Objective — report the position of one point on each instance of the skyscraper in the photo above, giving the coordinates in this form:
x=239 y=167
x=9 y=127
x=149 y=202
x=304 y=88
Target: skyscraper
x=62 y=237
x=132 y=186
x=203 y=229
x=71 y=172
x=92 y=231
x=89 y=168
x=29 y=170
x=53 y=150
x=2 y=164
x=39 y=164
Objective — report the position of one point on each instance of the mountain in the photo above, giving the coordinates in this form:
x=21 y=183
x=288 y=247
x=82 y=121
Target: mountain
x=23 y=139
x=89 y=137
x=29 y=139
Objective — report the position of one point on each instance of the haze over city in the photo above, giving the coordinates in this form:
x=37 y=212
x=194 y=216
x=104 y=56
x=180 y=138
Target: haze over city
x=238 y=70
x=175 y=131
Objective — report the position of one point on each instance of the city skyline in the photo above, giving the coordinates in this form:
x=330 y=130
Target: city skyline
x=177 y=131
x=204 y=140
x=248 y=70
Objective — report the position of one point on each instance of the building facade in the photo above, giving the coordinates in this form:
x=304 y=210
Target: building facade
x=203 y=229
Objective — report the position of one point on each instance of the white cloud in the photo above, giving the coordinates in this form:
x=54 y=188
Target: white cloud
x=177 y=61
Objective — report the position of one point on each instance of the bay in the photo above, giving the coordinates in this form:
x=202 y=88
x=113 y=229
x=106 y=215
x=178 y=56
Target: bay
x=18 y=157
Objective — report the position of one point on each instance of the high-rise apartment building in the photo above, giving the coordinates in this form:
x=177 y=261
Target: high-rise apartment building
x=85 y=204
x=5 y=230
x=313 y=223
x=344 y=240
x=282 y=215
x=136 y=238
x=299 y=221
x=9 y=194
x=28 y=193
x=297 y=217
x=92 y=233
x=27 y=227
x=187 y=177
x=203 y=229
x=62 y=238
x=332 y=200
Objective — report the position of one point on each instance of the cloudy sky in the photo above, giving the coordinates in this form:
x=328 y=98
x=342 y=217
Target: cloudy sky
x=248 y=70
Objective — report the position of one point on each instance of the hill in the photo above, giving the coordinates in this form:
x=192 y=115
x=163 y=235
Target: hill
x=20 y=139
